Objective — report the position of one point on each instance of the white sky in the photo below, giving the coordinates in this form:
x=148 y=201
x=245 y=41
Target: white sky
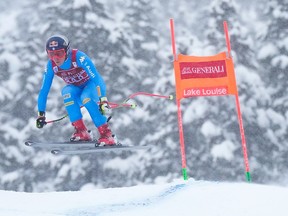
x=193 y=198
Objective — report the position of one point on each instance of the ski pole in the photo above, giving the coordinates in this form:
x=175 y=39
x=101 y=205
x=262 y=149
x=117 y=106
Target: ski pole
x=170 y=97
x=56 y=120
x=111 y=104
x=124 y=104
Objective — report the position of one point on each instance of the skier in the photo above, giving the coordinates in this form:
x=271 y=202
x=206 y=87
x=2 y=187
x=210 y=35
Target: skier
x=85 y=87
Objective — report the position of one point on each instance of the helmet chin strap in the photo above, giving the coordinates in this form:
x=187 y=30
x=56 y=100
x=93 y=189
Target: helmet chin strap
x=66 y=57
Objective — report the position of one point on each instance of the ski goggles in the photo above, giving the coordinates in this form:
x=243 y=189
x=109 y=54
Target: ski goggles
x=56 y=53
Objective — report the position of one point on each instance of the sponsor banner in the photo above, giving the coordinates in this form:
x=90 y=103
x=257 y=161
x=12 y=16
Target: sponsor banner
x=205 y=91
x=211 y=69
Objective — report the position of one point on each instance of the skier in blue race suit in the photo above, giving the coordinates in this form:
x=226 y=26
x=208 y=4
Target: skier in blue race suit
x=85 y=87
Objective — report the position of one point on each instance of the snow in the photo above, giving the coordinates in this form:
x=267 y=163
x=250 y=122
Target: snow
x=10 y=86
x=224 y=150
x=10 y=177
x=81 y=3
x=262 y=119
x=281 y=60
x=121 y=164
x=196 y=108
x=197 y=198
x=209 y=129
x=8 y=22
x=267 y=50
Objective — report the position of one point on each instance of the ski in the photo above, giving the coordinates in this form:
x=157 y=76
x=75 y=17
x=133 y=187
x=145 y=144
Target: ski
x=51 y=145
x=99 y=149
x=81 y=147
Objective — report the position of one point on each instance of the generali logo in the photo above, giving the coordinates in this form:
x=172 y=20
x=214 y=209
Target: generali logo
x=212 y=69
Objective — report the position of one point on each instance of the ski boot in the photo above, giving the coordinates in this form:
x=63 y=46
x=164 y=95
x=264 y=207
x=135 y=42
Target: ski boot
x=106 y=136
x=81 y=133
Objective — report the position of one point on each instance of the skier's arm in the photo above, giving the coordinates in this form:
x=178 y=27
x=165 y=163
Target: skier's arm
x=45 y=88
x=86 y=63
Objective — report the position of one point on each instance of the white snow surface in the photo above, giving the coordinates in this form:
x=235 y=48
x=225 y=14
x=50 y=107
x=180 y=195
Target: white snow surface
x=197 y=198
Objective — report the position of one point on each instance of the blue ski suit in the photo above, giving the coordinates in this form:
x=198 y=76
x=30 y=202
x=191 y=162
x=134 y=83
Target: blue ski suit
x=84 y=86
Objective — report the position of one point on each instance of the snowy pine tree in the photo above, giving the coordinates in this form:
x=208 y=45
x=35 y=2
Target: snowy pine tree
x=272 y=55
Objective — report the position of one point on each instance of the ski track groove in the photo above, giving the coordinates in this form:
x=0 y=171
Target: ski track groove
x=104 y=209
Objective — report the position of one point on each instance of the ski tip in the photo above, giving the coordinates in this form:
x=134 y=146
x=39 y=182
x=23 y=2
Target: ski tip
x=28 y=143
x=55 y=151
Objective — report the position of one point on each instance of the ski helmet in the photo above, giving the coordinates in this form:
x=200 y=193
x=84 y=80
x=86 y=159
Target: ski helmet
x=57 y=42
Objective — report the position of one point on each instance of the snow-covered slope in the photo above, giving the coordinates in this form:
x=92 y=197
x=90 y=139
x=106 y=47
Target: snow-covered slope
x=197 y=198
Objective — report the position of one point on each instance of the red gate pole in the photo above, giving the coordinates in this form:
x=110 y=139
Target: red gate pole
x=178 y=100
x=182 y=145
x=240 y=121
x=173 y=39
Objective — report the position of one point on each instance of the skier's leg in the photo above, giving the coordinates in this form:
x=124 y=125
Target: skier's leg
x=90 y=99
x=71 y=95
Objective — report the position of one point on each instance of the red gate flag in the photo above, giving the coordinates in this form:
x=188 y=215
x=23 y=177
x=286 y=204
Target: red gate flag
x=205 y=76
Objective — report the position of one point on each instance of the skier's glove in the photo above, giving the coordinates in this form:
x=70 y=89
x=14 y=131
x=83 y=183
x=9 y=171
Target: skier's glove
x=104 y=107
x=40 y=122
